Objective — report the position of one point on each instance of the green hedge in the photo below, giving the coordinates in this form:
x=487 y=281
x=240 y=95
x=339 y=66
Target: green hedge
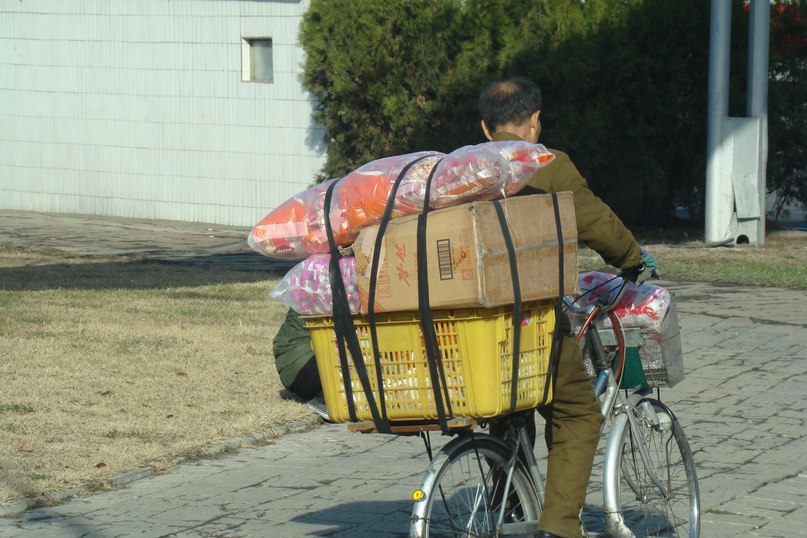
x=624 y=81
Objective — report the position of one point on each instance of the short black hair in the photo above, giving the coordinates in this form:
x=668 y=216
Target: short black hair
x=509 y=101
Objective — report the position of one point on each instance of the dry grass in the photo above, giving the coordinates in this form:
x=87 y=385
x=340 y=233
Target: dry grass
x=109 y=365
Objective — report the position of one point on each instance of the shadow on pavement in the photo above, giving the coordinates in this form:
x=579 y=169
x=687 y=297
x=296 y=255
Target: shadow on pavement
x=128 y=272
x=362 y=518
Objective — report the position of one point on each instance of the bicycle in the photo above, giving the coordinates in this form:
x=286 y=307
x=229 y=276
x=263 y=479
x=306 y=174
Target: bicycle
x=484 y=485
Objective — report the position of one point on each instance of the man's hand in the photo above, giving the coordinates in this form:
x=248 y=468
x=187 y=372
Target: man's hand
x=642 y=272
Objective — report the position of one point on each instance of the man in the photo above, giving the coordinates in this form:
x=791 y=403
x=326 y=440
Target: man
x=511 y=110
x=294 y=358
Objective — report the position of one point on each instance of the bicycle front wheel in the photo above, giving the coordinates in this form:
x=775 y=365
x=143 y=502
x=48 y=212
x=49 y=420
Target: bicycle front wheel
x=465 y=491
x=659 y=498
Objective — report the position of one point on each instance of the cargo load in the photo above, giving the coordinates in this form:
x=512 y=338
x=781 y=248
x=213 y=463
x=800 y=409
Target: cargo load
x=396 y=186
x=467 y=256
x=477 y=363
x=469 y=265
x=456 y=300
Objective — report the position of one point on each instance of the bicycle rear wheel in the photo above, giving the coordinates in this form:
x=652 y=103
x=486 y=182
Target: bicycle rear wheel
x=463 y=491
x=670 y=507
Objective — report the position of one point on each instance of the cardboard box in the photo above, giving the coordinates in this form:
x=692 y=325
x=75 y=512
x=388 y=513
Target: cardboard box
x=467 y=260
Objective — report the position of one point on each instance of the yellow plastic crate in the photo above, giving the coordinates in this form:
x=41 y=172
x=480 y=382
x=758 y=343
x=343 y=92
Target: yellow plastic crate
x=475 y=345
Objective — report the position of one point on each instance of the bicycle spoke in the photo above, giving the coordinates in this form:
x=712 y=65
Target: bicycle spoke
x=470 y=497
x=647 y=509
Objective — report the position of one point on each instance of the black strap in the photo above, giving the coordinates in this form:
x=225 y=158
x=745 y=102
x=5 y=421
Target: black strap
x=432 y=347
x=340 y=342
x=346 y=330
x=552 y=374
x=382 y=228
x=511 y=255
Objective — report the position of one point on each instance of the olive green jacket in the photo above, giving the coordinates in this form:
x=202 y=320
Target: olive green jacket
x=597 y=225
x=292 y=348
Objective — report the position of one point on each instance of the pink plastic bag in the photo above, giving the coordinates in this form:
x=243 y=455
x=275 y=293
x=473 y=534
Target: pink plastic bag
x=641 y=306
x=306 y=288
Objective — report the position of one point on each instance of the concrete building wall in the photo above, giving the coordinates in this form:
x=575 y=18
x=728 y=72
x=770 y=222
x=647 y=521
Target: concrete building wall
x=137 y=108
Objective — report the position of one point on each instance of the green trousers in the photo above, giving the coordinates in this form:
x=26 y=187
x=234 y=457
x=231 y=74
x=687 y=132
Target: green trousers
x=573 y=423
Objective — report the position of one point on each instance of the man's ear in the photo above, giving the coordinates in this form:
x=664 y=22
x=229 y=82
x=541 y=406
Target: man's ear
x=486 y=130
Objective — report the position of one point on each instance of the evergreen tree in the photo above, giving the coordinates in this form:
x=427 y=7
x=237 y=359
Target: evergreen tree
x=625 y=86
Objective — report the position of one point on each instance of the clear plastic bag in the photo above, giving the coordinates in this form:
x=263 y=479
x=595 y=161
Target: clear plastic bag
x=649 y=308
x=306 y=288
x=642 y=306
x=296 y=228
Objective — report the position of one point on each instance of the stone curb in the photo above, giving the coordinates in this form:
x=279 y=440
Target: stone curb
x=207 y=452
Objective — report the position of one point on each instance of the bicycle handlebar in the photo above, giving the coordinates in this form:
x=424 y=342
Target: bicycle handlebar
x=604 y=305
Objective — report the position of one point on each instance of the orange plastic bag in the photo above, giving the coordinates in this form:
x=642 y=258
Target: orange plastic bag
x=296 y=228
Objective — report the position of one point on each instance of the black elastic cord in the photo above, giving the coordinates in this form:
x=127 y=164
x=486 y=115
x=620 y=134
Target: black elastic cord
x=382 y=228
x=434 y=359
x=552 y=373
x=346 y=330
x=340 y=342
x=511 y=255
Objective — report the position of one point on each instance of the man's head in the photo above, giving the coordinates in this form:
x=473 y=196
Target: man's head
x=512 y=105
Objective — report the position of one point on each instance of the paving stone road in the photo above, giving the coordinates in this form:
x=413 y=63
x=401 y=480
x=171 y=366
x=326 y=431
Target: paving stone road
x=742 y=405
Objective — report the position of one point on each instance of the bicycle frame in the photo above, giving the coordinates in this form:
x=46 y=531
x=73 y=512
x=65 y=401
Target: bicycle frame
x=517 y=467
x=524 y=447
x=621 y=410
x=515 y=444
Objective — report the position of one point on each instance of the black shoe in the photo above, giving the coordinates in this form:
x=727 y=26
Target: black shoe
x=544 y=534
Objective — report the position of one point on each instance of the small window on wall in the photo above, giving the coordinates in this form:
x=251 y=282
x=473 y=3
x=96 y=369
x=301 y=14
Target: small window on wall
x=256 y=59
